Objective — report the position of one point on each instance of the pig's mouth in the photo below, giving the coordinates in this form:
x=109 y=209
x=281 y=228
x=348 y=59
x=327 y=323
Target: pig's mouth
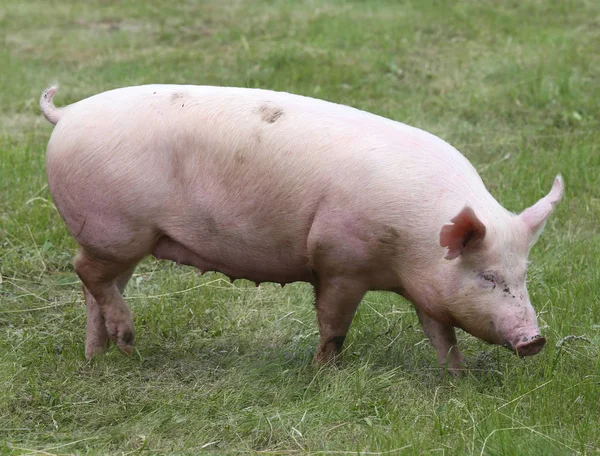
x=527 y=346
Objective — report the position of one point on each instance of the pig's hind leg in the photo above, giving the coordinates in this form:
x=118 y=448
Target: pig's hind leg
x=97 y=337
x=103 y=281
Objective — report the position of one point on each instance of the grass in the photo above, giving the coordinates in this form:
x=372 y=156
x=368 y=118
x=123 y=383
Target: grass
x=226 y=367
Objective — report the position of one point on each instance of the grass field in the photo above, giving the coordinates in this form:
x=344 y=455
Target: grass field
x=227 y=367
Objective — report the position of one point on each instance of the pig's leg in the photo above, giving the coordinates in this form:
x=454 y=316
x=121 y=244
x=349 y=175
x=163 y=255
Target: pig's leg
x=101 y=278
x=443 y=338
x=96 y=337
x=96 y=334
x=337 y=300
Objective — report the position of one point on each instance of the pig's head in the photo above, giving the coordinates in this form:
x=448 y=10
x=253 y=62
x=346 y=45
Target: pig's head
x=488 y=261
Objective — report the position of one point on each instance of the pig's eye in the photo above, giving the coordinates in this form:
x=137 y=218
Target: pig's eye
x=488 y=280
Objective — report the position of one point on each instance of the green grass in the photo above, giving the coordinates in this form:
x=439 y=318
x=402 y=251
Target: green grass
x=226 y=367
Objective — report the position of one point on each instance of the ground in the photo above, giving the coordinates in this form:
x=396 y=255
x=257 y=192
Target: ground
x=227 y=367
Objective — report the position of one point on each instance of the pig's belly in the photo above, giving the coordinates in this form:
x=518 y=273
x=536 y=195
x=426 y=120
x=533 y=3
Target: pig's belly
x=235 y=261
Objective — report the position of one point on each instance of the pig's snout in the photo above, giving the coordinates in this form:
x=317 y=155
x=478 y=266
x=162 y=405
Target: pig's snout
x=528 y=346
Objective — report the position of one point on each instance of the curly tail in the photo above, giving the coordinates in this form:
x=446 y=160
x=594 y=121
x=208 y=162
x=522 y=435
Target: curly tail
x=51 y=112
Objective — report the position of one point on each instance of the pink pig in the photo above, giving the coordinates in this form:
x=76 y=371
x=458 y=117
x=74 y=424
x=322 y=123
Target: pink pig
x=270 y=186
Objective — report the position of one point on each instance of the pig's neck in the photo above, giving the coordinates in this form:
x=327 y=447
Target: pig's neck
x=433 y=289
x=425 y=284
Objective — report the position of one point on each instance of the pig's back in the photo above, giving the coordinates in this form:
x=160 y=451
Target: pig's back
x=242 y=131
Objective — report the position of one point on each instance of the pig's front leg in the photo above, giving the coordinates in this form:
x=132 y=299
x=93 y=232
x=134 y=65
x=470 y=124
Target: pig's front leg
x=443 y=338
x=337 y=300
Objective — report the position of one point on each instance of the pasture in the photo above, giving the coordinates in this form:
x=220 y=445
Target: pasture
x=226 y=367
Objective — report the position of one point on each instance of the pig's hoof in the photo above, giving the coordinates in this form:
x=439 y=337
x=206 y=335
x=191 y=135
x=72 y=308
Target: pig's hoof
x=125 y=349
x=453 y=371
x=93 y=349
x=124 y=342
x=456 y=369
x=325 y=357
x=96 y=340
x=121 y=333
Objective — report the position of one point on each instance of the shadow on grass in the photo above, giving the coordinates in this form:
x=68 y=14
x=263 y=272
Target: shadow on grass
x=267 y=360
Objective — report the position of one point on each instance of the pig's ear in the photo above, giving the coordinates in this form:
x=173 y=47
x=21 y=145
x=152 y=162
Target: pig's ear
x=464 y=230
x=535 y=217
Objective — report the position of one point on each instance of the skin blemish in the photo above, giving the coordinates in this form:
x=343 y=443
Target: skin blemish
x=239 y=157
x=390 y=236
x=270 y=114
x=176 y=97
x=211 y=225
x=388 y=240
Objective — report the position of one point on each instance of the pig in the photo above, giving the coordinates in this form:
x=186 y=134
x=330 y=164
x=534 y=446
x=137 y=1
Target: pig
x=275 y=187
